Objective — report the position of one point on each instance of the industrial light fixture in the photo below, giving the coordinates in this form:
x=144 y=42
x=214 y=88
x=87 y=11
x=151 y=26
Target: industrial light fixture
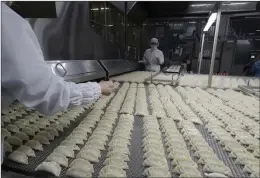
x=211 y=20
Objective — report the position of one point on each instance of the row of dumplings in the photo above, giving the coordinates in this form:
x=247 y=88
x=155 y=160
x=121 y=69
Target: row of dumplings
x=137 y=76
x=207 y=158
x=235 y=128
x=155 y=103
x=242 y=103
x=141 y=108
x=129 y=102
x=21 y=154
x=169 y=107
x=234 y=121
x=89 y=153
x=116 y=160
x=155 y=162
x=177 y=151
x=117 y=101
x=183 y=109
x=103 y=101
x=236 y=151
x=228 y=123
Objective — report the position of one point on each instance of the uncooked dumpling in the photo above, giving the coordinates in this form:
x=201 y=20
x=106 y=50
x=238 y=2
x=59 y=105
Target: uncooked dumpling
x=52 y=131
x=41 y=139
x=90 y=155
x=22 y=136
x=5 y=133
x=46 y=134
x=51 y=167
x=18 y=157
x=112 y=171
x=78 y=173
x=58 y=158
x=12 y=128
x=156 y=172
x=155 y=161
x=7 y=147
x=80 y=161
x=117 y=155
x=217 y=168
x=27 y=150
x=33 y=127
x=13 y=140
x=116 y=162
x=28 y=131
x=66 y=151
x=34 y=145
x=56 y=126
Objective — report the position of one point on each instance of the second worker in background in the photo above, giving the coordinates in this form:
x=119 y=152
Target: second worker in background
x=153 y=57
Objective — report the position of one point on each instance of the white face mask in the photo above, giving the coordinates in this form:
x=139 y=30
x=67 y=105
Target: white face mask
x=153 y=47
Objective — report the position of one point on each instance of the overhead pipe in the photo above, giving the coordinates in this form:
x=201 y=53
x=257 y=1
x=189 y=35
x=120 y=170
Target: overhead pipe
x=213 y=55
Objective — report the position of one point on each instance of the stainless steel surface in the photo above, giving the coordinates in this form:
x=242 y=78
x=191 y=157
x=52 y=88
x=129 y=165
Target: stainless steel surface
x=78 y=71
x=201 y=52
x=214 y=44
x=119 y=66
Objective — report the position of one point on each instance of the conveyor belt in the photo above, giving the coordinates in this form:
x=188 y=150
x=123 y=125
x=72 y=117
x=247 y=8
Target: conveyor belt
x=136 y=153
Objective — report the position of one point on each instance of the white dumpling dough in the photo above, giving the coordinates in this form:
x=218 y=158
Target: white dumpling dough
x=27 y=150
x=58 y=158
x=34 y=145
x=18 y=157
x=51 y=167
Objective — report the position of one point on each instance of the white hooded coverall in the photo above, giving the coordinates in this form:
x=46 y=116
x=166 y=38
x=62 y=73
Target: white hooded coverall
x=26 y=77
x=150 y=59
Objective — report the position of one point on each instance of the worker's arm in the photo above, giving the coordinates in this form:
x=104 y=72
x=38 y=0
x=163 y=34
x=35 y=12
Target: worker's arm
x=160 y=58
x=29 y=79
x=146 y=58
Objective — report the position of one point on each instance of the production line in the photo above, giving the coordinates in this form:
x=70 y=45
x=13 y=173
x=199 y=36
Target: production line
x=140 y=130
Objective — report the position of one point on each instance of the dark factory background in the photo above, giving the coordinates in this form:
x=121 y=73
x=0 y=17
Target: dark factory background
x=98 y=30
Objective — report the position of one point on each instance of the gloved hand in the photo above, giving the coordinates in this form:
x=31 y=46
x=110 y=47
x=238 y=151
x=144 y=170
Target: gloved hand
x=107 y=87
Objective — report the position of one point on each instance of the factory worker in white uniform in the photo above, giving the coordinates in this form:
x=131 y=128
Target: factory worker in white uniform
x=26 y=77
x=153 y=57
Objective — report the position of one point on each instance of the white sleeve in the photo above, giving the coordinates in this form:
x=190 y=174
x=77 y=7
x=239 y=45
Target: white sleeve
x=161 y=58
x=145 y=58
x=29 y=79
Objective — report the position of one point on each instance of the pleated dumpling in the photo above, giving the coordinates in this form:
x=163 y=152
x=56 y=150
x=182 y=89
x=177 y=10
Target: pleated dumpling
x=27 y=150
x=78 y=172
x=112 y=171
x=51 y=167
x=34 y=145
x=18 y=157
x=156 y=172
x=66 y=151
x=12 y=128
x=52 y=131
x=58 y=158
x=116 y=162
x=22 y=136
x=13 y=140
x=46 y=134
x=7 y=147
x=28 y=131
x=41 y=139
x=5 y=133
